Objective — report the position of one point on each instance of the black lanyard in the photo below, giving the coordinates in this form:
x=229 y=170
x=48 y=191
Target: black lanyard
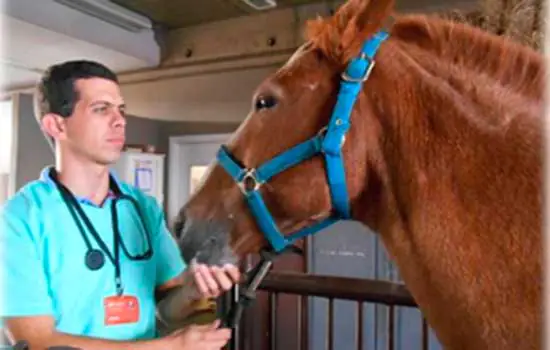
x=94 y=259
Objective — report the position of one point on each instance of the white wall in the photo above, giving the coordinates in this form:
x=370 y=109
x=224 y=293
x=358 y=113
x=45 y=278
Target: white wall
x=222 y=96
x=6 y=137
x=6 y=124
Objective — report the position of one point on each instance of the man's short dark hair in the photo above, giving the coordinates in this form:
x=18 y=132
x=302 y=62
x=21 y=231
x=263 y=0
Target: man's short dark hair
x=56 y=91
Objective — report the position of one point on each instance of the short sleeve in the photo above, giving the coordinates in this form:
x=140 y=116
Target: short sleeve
x=25 y=285
x=167 y=253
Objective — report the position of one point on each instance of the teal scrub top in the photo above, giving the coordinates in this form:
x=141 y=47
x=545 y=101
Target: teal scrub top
x=43 y=260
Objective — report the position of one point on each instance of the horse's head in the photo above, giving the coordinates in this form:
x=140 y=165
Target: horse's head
x=287 y=167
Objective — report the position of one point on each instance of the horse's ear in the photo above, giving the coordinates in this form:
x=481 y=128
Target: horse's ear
x=362 y=18
x=366 y=15
x=341 y=36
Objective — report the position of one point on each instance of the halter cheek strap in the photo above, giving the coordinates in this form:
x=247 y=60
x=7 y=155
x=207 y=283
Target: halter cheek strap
x=328 y=142
x=357 y=72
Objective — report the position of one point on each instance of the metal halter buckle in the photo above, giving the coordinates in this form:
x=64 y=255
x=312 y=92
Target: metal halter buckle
x=365 y=76
x=249 y=175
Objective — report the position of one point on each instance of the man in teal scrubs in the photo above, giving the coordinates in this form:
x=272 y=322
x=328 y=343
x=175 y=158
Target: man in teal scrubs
x=77 y=272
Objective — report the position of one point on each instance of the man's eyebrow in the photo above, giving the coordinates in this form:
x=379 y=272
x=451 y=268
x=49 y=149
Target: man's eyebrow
x=103 y=102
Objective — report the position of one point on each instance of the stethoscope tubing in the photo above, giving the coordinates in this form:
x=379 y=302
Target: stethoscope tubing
x=94 y=258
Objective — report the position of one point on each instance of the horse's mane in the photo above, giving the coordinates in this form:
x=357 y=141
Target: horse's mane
x=340 y=37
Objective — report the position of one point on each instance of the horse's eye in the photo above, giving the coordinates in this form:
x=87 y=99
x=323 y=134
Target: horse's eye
x=265 y=102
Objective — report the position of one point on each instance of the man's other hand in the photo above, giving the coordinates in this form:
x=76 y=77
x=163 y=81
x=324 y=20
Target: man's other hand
x=204 y=337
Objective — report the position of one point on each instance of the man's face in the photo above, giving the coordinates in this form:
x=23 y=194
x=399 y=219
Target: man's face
x=96 y=129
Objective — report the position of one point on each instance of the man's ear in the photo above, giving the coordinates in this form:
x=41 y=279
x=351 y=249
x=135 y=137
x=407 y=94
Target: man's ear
x=54 y=126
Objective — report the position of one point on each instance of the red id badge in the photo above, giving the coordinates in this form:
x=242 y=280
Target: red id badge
x=121 y=309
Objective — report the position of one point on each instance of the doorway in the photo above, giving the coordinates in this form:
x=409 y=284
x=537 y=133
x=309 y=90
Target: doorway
x=189 y=157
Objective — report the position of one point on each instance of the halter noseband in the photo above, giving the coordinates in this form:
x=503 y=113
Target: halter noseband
x=328 y=141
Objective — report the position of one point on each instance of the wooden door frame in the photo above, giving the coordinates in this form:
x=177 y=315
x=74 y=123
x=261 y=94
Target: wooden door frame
x=175 y=164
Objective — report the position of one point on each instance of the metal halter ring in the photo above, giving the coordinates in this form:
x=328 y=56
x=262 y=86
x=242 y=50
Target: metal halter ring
x=250 y=174
x=323 y=131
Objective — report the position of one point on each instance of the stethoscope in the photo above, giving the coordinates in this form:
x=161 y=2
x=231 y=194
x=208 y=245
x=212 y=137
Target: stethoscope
x=95 y=258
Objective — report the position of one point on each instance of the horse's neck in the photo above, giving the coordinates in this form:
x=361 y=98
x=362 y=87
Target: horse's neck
x=461 y=199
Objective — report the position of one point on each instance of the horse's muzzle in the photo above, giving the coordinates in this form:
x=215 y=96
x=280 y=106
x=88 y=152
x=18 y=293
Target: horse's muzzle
x=205 y=242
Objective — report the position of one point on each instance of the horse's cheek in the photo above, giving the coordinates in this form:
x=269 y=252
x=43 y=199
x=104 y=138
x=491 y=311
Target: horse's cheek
x=314 y=200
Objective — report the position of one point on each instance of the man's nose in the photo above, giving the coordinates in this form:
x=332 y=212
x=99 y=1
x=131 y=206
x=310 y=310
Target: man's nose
x=119 y=117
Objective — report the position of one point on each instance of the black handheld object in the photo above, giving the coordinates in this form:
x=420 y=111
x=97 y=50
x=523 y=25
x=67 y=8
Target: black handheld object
x=255 y=277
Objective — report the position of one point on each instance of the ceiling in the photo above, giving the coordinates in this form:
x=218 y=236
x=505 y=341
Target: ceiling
x=46 y=33
x=23 y=65
x=184 y=13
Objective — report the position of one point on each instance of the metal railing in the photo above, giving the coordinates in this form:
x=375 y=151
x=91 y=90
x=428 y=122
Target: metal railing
x=329 y=288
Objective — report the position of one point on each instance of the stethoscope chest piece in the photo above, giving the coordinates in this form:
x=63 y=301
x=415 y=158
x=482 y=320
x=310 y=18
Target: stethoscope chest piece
x=95 y=259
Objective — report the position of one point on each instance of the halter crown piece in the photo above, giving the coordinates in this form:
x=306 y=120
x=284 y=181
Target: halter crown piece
x=328 y=142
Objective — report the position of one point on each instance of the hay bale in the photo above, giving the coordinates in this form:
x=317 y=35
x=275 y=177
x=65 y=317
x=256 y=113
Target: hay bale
x=521 y=20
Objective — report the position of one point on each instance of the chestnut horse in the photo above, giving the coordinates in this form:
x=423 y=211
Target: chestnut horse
x=437 y=148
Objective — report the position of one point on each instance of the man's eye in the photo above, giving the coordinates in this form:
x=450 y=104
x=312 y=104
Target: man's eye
x=100 y=110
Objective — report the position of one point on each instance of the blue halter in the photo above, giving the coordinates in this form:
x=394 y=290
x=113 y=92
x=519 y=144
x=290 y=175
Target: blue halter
x=328 y=141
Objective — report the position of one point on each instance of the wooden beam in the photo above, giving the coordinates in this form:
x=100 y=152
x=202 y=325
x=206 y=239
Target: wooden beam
x=260 y=34
x=211 y=66
x=265 y=33
x=363 y=290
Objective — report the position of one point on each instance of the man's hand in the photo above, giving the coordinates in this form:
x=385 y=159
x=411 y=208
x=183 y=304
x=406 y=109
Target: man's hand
x=212 y=281
x=194 y=337
x=198 y=282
